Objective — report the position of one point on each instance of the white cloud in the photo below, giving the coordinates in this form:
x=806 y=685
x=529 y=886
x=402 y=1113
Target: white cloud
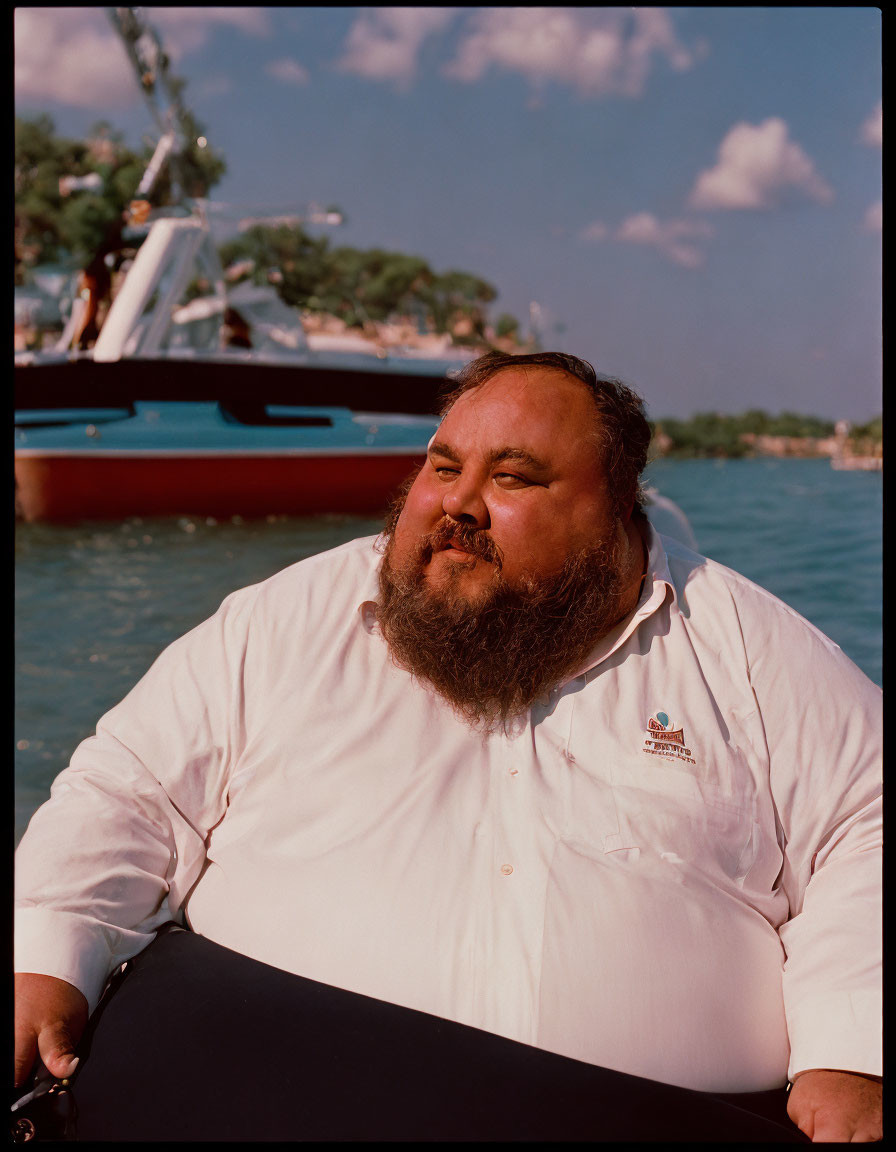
x=56 y=54
x=57 y=50
x=873 y=128
x=674 y=239
x=874 y=217
x=288 y=71
x=383 y=43
x=757 y=164
x=595 y=50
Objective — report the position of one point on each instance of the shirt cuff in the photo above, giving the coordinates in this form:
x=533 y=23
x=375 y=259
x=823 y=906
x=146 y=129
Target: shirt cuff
x=66 y=945
x=841 y=1032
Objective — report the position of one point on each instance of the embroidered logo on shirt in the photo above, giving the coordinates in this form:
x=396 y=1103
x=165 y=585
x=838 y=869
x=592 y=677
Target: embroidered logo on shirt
x=664 y=739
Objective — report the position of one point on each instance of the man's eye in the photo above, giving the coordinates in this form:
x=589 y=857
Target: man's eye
x=446 y=473
x=510 y=480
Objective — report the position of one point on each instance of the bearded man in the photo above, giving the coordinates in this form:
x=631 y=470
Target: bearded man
x=519 y=763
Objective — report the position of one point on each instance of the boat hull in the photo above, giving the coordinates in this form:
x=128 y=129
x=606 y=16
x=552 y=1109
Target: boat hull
x=66 y=487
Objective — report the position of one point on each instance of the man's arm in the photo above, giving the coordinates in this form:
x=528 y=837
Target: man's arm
x=832 y=1106
x=823 y=727
x=112 y=854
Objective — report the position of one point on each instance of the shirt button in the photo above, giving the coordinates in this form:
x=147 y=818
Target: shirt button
x=514 y=771
x=506 y=869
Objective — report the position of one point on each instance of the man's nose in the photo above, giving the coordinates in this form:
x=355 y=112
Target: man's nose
x=464 y=502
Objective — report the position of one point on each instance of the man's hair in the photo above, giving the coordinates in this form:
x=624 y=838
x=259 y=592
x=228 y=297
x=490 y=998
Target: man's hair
x=622 y=434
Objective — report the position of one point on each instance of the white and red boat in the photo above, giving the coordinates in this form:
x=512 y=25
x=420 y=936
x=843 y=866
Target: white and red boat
x=159 y=417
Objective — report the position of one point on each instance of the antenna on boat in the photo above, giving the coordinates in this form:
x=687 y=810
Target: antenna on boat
x=161 y=90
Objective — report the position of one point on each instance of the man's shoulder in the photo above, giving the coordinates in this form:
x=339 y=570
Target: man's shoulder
x=769 y=629
x=705 y=584
x=347 y=570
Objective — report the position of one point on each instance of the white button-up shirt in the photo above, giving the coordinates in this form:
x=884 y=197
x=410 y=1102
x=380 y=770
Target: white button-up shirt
x=668 y=866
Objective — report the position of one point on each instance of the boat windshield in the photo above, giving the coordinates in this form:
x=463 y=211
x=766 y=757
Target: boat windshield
x=198 y=313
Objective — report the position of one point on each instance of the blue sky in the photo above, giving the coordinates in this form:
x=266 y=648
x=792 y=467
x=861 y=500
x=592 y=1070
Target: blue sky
x=691 y=196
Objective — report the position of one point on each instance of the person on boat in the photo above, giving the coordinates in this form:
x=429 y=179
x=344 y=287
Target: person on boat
x=95 y=286
x=235 y=331
x=518 y=762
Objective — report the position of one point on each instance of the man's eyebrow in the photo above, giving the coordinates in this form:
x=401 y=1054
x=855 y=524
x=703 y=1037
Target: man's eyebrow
x=439 y=448
x=516 y=456
x=508 y=454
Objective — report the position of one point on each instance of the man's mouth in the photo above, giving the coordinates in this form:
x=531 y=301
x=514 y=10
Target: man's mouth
x=458 y=549
x=461 y=546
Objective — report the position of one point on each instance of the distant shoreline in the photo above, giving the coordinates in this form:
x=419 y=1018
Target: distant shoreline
x=756 y=434
x=846 y=463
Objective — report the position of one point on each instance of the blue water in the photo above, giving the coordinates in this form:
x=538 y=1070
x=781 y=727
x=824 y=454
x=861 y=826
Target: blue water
x=806 y=532
x=96 y=603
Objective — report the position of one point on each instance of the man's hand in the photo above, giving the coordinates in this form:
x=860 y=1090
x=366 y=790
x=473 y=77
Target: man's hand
x=51 y=1016
x=832 y=1106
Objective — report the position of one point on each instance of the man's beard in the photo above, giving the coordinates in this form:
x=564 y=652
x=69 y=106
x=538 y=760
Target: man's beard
x=493 y=655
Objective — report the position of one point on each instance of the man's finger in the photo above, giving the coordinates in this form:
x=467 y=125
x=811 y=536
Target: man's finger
x=832 y=1130
x=26 y=1052
x=57 y=1050
x=803 y=1117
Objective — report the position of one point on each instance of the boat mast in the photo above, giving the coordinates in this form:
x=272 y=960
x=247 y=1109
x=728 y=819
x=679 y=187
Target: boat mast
x=161 y=91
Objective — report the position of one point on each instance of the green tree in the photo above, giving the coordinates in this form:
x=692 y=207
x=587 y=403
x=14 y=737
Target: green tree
x=755 y=421
x=392 y=282
x=287 y=256
x=195 y=168
x=717 y=434
x=873 y=430
x=455 y=295
x=40 y=159
x=360 y=286
x=792 y=424
x=53 y=223
x=705 y=434
x=507 y=327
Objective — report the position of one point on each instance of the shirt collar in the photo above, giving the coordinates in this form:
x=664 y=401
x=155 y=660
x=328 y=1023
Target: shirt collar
x=371 y=589
x=657 y=587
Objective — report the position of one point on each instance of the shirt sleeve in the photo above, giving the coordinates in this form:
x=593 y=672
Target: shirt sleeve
x=823 y=726
x=113 y=853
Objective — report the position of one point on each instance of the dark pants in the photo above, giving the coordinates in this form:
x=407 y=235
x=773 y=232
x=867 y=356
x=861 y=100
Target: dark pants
x=199 y=1043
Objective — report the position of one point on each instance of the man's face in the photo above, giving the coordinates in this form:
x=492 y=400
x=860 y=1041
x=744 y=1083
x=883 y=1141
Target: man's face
x=515 y=459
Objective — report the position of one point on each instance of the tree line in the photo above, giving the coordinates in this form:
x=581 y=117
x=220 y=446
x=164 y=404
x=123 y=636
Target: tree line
x=718 y=434
x=364 y=286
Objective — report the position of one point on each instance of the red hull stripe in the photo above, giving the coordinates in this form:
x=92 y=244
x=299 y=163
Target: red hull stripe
x=75 y=487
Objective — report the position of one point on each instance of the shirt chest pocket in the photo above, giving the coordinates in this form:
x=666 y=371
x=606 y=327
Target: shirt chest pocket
x=684 y=819
x=671 y=817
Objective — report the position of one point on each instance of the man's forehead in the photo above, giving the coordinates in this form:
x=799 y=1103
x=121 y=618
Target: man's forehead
x=521 y=375
x=524 y=406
